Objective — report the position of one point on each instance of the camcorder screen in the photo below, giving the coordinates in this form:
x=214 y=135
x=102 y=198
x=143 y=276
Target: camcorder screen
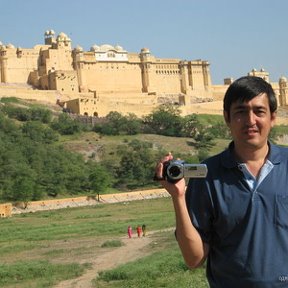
x=192 y=168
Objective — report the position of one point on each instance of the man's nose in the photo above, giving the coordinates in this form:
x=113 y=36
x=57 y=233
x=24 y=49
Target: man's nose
x=250 y=118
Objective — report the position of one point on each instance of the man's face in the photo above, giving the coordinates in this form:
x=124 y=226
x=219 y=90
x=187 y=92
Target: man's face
x=250 y=122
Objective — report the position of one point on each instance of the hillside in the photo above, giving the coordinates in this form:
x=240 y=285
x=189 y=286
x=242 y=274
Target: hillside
x=94 y=146
x=46 y=153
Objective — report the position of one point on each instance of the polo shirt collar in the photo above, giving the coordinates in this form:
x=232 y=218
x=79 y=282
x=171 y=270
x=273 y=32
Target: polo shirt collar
x=274 y=154
x=228 y=160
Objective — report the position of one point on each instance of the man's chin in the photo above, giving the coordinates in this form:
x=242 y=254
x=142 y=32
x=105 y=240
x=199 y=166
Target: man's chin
x=252 y=142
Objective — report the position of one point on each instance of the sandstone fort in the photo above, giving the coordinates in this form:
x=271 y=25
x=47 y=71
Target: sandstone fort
x=109 y=78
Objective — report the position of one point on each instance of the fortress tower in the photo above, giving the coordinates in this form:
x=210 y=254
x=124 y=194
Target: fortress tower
x=283 y=91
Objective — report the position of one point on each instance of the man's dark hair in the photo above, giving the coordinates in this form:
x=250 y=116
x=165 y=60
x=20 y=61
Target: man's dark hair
x=246 y=88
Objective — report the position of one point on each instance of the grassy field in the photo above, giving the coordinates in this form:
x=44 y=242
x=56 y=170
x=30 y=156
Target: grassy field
x=44 y=248
x=162 y=268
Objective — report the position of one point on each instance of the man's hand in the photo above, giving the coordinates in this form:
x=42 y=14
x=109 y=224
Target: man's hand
x=174 y=189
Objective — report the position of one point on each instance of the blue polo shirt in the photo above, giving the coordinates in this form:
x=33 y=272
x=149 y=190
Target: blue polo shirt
x=245 y=224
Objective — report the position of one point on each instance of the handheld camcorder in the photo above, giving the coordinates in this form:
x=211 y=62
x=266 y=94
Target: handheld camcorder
x=175 y=170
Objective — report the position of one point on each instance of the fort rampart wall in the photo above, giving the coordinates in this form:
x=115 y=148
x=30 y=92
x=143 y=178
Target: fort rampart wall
x=9 y=209
x=5 y=210
x=49 y=96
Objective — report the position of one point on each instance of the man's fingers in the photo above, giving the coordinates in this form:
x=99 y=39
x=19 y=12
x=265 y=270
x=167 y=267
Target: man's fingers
x=158 y=176
x=159 y=172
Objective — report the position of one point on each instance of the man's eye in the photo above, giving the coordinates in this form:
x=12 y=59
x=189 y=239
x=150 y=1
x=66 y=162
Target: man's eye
x=239 y=112
x=260 y=112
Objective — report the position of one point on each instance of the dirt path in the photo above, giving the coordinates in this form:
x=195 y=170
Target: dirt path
x=132 y=249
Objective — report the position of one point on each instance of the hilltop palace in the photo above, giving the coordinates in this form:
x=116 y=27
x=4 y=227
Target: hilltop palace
x=109 y=78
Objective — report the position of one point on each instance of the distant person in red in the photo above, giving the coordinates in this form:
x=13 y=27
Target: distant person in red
x=139 y=231
x=129 y=231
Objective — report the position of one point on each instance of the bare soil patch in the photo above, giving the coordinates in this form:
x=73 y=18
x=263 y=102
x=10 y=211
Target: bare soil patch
x=133 y=249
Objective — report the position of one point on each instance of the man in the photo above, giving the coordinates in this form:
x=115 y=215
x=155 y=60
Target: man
x=237 y=217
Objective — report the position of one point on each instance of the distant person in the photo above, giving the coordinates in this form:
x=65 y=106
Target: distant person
x=139 y=231
x=237 y=217
x=129 y=231
x=144 y=230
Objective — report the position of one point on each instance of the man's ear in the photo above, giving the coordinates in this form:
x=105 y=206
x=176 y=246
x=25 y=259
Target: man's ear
x=226 y=117
x=273 y=118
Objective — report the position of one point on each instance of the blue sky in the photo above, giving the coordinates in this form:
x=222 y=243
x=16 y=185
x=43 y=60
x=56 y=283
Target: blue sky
x=235 y=36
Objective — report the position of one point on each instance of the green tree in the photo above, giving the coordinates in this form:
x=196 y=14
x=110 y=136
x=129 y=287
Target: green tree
x=190 y=125
x=117 y=124
x=36 y=131
x=115 y=121
x=21 y=186
x=19 y=113
x=42 y=115
x=165 y=120
x=219 y=130
x=203 y=138
x=65 y=125
x=62 y=172
x=7 y=127
x=132 y=124
x=100 y=179
x=136 y=166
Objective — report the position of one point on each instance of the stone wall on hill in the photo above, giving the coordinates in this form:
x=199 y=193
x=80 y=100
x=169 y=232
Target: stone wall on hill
x=54 y=204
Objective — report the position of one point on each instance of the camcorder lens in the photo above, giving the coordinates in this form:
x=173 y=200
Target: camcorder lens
x=174 y=171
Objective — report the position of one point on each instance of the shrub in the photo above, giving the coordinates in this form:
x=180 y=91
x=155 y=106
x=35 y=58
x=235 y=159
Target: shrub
x=112 y=243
